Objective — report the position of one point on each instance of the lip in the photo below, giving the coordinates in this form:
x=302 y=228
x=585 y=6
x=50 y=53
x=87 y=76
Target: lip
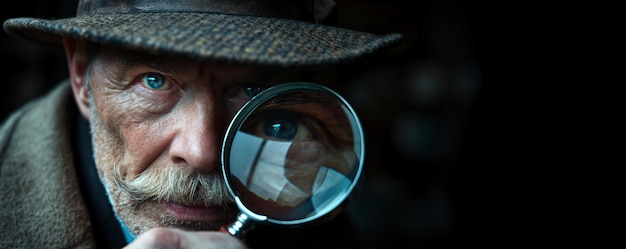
x=194 y=213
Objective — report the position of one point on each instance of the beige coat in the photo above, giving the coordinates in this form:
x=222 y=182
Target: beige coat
x=40 y=201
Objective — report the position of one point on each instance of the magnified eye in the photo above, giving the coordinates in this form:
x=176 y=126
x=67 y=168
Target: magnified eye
x=283 y=125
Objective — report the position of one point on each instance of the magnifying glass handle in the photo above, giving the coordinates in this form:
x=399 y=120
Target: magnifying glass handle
x=238 y=227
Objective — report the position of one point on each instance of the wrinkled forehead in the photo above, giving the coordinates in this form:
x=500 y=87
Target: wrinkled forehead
x=121 y=59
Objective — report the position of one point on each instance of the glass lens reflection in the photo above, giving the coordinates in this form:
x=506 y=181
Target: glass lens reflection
x=296 y=155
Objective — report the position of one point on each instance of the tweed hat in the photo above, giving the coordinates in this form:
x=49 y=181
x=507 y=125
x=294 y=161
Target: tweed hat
x=281 y=33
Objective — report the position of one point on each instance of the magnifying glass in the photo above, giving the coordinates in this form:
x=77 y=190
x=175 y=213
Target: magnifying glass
x=291 y=156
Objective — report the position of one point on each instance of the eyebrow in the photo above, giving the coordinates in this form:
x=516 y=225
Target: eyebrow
x=163 y=64
x=166 y=64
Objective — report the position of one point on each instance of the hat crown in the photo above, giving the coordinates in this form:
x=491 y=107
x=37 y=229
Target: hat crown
x=304 y=10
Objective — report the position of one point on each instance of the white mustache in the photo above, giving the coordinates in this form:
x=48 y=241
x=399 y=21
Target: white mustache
x=175 y=184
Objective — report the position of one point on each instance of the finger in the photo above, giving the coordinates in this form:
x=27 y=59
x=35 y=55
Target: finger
x=210 y=239
x=176 y=238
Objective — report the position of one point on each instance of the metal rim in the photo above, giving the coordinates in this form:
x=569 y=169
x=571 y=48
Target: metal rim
x=250 y=107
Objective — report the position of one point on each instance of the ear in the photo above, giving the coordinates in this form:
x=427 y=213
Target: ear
x=77 y=64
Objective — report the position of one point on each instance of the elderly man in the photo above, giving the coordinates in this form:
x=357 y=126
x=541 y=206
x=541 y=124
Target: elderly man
x=107 y=159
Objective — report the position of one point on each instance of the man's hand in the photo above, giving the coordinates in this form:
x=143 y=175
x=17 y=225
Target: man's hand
x=176 y=238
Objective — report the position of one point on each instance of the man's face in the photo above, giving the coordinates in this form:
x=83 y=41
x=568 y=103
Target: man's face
x=157 y=125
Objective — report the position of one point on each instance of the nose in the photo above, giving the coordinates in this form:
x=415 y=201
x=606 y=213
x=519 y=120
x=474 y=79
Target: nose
x=197 y=142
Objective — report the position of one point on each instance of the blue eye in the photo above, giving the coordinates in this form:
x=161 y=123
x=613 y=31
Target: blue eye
x=281 y=127
x=154 y=81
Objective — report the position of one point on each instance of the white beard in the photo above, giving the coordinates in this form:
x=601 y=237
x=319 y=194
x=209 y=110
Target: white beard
x=141 y=214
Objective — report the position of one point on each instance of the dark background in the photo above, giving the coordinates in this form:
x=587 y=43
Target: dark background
x=440 y=163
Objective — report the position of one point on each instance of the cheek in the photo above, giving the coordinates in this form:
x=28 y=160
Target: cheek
x=146 y=142
x=135 y=137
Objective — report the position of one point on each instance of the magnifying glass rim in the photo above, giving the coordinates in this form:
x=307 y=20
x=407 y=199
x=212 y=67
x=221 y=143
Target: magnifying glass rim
x=250 y=107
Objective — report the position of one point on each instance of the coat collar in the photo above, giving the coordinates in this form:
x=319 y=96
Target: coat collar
x=41 y=201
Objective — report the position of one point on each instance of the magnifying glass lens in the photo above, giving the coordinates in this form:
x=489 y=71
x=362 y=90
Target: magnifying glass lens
x=294 y=153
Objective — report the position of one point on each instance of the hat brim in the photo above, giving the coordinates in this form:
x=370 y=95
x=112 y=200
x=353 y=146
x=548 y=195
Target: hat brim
x=215 y=37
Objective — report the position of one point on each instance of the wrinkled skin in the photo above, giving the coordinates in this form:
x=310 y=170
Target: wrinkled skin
x=157 y=125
